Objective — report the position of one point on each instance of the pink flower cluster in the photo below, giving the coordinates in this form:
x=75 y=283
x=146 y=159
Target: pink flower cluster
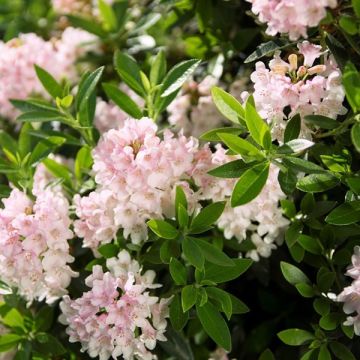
x=136 y=173
x=291 y=16
x=18 y=79
x=117 y=316
x=261 y=220
x=305 y=89
x=34 y=249
x=350 y=296
x=193 y=110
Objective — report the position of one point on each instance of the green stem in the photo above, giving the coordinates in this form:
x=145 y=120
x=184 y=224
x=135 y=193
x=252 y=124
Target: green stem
x=339 y=130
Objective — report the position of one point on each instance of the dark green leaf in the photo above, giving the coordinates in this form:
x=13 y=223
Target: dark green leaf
x=49 y=83
x=293 y=127
x=232 y=169
x=206 y=217
x=163 y=229
x=178 y=271
x=177 y=76
x=42 y=116
x=178 y=318
x=193 y=252
x=345 y=214
x=214 y=325
x=213 y=254
x=321 y=121
x=108 y=250
x=221 y=297
x=250 y=184
x=158 y=68
x=341 y=351
x=220 y=274
x=295 y=337
x=355 y=136
x=267 y=49
x=293 y=274
x=188 y=297
x=317 y=182
x=212 y=135
x=122 y=100
x=88 y=25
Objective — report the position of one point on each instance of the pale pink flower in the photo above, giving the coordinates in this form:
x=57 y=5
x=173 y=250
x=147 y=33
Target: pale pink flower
x=117 y=316
x=34 y=254
x=293 y=17
x=305 y=90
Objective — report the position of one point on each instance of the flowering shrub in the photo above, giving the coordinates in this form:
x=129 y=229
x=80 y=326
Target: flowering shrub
x=180 y=179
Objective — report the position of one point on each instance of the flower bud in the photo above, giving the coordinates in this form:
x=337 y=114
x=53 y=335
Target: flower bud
x=293 y=61
x=279 y=69
x=317 y=69
x=301 y=72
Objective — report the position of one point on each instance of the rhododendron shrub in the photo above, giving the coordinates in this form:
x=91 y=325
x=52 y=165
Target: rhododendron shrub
x=180 y=180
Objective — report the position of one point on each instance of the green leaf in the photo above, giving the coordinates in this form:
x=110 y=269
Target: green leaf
x=232 y=169
x=295 y=337
x=87 y=88
x=88 y=25
x=213 y=254
x=356 y=6
x=287 y=181
x=178 y=271
x=158 y=68
x=25 y=140
x=180 y=197
x=122 y=100
x=42 y=116
x=44 y=148
x=351 y=82
x=188 y=297
x=108 y=15
x=44 y=318
x=212 y=135
x=293 y=127
x=228 y=105
x=83 y=162
x=267 y=49
x=13 y=319
x=177 y=76
x=341 y=351
x=52 y=346
x=220 y=274
x=178 y=318
x=259 y=129
x=321 y=306
x=8 y=142
x=345 y=214
x=163 y=229
x=267 y=355
x=293 y=274
x=214 y=325
x=59 y=171
x=238 y=307
x=108 y=250
x=129 y=71
x=295 y=146
x=250 y=184
x=193 y=252
x=330 y=321
x=288 y=208
x=48 y=82
x=310 y=244
x=32 y=105
x=206 y=217
x=9 y=341
x=305 y=290
x=223 y=298
x=241 y=146
x=317 y=182
x=321 y=121
x=302 y=165
x=355 y=136
x=348 y=24
x=324 y=353
x=177 y=345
